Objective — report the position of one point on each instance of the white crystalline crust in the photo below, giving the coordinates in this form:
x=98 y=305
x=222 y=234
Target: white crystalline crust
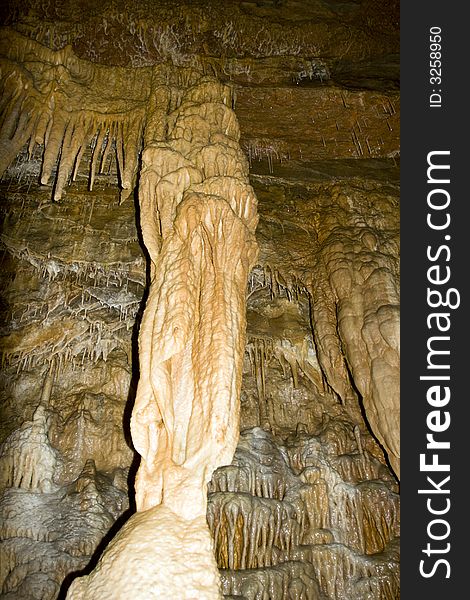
x=157 y=554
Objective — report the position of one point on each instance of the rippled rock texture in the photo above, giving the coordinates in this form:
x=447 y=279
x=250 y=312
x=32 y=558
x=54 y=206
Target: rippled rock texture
x=125 y=185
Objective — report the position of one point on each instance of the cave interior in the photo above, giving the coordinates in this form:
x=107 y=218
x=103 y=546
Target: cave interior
x=257 y=143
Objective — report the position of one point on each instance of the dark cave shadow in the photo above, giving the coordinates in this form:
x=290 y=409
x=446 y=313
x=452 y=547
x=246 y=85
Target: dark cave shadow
x=126 y=417
x=126 y=423
x=369 y=429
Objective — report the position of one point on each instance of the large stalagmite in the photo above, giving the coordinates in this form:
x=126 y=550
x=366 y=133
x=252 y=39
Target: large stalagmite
x=62 y=104
x=198 y=217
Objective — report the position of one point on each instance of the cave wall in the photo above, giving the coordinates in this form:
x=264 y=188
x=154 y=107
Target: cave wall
x=309 y=507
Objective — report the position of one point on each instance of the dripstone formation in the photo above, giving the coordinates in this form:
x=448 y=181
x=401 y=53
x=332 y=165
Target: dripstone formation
x=200 y=292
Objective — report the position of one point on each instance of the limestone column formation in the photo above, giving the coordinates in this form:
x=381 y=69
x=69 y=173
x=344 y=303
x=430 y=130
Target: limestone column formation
x=356 y=304
x=198 y=217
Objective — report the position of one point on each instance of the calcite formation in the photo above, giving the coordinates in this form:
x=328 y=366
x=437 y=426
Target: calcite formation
x=273 y=515
x=125 y=324
x=27 y=460
x=346 y=256
x=198 y=215
x=157 y=538
x=54 y=100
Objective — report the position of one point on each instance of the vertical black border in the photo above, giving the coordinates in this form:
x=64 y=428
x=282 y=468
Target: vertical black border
x=425 y=129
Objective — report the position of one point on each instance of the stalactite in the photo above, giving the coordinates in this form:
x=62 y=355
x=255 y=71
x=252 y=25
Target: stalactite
x=346 y=575
x=247 y=529
x=346 y=532
x=52 y=98
x=245 y=479
x=356 y=311
x=289 y=581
